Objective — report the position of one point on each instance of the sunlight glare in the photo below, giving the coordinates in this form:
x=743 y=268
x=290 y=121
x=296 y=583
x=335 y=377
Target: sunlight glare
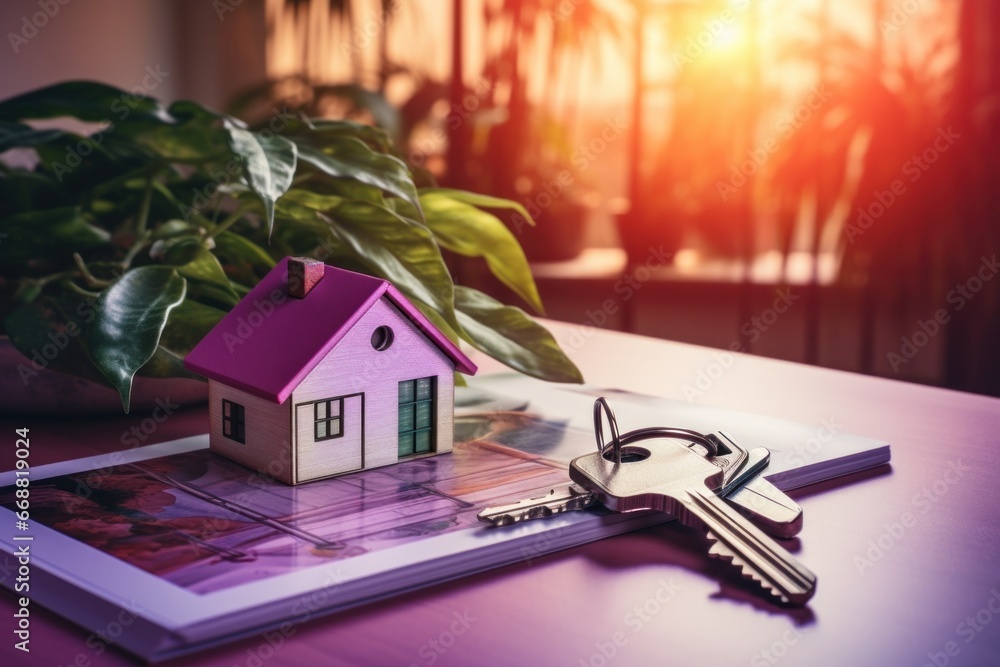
x=733 y=36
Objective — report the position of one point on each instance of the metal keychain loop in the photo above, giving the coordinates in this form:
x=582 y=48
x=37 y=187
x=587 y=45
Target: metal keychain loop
x=601 y=408
x=616 y=442
x=650 y=432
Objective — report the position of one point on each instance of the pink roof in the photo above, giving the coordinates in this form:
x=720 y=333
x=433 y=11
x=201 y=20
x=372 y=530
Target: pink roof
x=269 y=342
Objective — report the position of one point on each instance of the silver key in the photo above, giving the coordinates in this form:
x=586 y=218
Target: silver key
x=767 y=506
x=572 y=497
x=753 y=496
x=669 y=477
x=738 y=467
x=773 y=510
x=777 y=514
x=569 y=498
x=735 y=461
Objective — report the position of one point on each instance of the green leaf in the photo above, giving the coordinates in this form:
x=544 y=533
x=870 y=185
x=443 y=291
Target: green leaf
x=191 y=111
x=269 y=162
x=486 y=201
x=130 y=316
x=508 y=334
x=195 y=262
x=233 y=248
x=172 y=228
x=189 y=142
x=53 y=235
x=319 y=131
x=198 y=136
x=86 y=100
x=313 y=200
x=16 y=135
x=308 y=219
x=27 y=291
x=352 y=158
x=468 y=231
x=398 y=249
x=350 y=189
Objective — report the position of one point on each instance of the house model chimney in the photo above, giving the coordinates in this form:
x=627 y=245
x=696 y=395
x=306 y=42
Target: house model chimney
x=303 y=274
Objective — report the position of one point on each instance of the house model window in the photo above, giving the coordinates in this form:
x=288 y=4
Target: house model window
x=234 y=421
x=329 y=422
x=416 y=416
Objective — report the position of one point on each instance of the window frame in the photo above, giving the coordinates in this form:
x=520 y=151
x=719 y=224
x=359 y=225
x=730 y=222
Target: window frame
x=234 y=424
x=415 y=430
x=329 y=418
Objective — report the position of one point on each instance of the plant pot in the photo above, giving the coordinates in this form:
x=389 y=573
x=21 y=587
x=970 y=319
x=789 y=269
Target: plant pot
x=58 y=394
x=558 y=234
x=640 y=235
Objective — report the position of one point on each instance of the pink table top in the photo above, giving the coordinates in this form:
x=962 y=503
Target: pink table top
x=908 y=557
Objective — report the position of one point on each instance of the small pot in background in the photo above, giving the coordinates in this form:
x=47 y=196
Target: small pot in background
x=558 y=234
x=639 y=234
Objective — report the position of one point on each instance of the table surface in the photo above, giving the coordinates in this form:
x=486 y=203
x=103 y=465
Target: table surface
x=907 y=555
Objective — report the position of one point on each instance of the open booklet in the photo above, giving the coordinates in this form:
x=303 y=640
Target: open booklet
x=194 y=550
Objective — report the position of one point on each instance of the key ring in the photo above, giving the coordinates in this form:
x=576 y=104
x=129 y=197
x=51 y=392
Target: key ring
x=601 y=408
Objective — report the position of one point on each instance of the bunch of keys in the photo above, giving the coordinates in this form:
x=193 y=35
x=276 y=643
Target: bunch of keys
x=689 y=482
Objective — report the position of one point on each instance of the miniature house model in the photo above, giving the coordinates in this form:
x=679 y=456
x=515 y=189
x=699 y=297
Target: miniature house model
x=320 y=371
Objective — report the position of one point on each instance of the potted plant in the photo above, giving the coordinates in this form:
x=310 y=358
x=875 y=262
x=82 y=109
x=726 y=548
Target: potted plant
x=121 y=246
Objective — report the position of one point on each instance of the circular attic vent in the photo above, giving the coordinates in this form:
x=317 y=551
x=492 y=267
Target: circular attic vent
x=382 y=338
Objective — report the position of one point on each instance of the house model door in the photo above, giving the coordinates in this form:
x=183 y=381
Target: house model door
x=330 y=436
